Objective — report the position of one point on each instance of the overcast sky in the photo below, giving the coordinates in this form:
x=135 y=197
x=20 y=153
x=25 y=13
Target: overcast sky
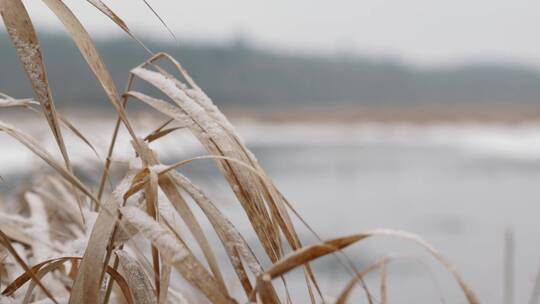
x=420 y=31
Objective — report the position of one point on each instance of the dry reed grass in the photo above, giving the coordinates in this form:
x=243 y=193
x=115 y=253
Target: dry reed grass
x=78 y=246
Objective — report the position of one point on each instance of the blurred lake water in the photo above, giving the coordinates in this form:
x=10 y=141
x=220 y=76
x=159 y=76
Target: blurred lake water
x=459 y=186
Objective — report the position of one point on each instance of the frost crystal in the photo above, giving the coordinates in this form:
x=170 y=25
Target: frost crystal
x=171 y=249
x=30 y=56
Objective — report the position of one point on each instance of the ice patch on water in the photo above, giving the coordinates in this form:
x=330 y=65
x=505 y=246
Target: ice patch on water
x=520 y=142
x=512 y=141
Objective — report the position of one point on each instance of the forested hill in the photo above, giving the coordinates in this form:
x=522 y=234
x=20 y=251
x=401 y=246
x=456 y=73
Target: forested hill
x=239 y=75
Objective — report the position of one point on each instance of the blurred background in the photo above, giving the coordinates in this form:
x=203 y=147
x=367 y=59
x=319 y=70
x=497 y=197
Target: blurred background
x=416 y=115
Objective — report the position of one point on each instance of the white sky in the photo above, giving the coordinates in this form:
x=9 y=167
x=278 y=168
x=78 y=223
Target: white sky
x=420 y=31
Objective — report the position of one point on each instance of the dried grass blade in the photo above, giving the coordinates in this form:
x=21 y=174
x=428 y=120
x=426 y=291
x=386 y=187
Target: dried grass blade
x=23 y=35
x=165 y=281
x=11 y=103
x=25 y=276
x=7 y=243
x=33 y=145
x=79 y=134
x=167 y=185
x=344 y=295
x=40 y=227
x=91 y=55
x=161 y=133
x=216 y=134
x=198 y=97
x=112 y=144
x=114 y=17
x=16 y=234
x=122 y=283
x=151 y=194
x=185 y=212
x=40 y=274
x=176 y=254
x=384 y=292
x=232 y=240
x=111 y=14
x=136 y=278
x=309 y=253
x=160 y=20
x=469 y=294
x=24 y=38
x=58 y=262
x=266 y=291
x=86 y=288
x=312 y=252
x=241 y=181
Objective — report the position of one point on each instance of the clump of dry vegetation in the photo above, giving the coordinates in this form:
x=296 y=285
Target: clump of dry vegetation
x=65 y=243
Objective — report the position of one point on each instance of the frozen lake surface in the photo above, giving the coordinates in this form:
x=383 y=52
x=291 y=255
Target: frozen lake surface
x=460 y=186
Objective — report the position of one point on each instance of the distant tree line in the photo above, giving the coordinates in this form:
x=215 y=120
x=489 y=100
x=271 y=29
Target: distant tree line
x=239 y=75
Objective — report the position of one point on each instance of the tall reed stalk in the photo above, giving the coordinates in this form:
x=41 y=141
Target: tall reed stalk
x=79 y=245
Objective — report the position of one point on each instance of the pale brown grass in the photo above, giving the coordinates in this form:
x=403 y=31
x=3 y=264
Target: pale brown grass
x=78 y=245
